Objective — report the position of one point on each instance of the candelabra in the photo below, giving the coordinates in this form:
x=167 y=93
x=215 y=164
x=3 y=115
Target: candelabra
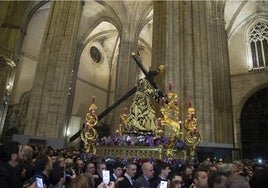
x=88 y=133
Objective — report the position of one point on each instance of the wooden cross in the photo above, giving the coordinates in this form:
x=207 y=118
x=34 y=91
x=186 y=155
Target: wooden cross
x=149 y=75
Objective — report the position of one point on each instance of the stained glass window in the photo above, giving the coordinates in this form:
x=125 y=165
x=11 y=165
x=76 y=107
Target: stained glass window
x=258 y=39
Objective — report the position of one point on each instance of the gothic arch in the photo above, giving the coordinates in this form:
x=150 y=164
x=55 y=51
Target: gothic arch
x=109 y=16
x=246 y=97
x=238 y=113
x=33 y=8
x=145 y=19
x=235 y=17
x=254 y=125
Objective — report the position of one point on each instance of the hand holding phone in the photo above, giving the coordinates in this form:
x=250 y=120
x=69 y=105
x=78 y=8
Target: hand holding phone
x=163 y=184
x=39 y=182
x=106 y=176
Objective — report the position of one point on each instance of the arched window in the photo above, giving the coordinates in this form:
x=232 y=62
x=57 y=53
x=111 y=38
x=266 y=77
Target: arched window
x=258 y=43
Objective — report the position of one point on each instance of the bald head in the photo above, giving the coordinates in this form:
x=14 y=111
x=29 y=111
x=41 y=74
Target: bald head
x=147 y=170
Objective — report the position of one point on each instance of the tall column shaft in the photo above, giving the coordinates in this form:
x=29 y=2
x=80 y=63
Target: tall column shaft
x=132 y=23
x=11 y=33
x=47 y=109
x=126 y=79
x=182 y=41
x=222 y=103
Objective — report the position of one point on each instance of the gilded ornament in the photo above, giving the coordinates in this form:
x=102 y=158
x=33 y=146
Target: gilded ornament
x=88 y=133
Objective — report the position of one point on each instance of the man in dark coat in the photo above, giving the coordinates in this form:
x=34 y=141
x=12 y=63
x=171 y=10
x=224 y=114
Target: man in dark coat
x=147 y=174
x=130 y=173
x=9 y=174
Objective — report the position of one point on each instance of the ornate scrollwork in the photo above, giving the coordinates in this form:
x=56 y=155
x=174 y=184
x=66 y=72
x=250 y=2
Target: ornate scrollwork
x=192 y=137
x=170 y=113
x=143 y=152
x=141 y=117
x=88 y=133
x=190 y=123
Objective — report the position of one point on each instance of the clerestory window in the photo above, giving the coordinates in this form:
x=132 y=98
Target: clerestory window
x=258 y=43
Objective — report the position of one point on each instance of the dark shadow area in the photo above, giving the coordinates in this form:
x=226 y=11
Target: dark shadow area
x=254 y=126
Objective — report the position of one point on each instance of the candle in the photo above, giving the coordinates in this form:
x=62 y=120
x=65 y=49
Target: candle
x=175 y=102
x=180 y=124
x=93 y=99
x=189 y=104
x=125 y=110
x=159 y=120
x=170 y=86
x=87 y=125
x=163 y=101
x=117 y=132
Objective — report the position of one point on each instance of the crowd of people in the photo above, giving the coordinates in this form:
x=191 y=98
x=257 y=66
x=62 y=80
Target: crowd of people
x=24 y=166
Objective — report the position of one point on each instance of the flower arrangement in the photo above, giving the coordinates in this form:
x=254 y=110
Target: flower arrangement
x=141 y=140
x=174 y=163
x=130 y=140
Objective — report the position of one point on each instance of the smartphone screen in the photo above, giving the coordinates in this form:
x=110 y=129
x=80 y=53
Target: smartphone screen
x=39 y=182
x=163 y=184
x=106 y=176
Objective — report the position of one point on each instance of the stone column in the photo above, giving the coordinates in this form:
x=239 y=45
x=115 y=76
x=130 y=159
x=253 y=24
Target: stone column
x=11 y=33
x=218 y=53
x=182 y=40
x=48 y=104
x=132 y=23
x=12 y=26
x=126 y=78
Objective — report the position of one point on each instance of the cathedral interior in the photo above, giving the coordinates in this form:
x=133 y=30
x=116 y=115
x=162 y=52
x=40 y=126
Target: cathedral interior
x=56 y=55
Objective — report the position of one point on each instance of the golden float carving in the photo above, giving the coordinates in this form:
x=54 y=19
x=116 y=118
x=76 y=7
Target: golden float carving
x=157 y=152
x=141 y=120
x=88 y=133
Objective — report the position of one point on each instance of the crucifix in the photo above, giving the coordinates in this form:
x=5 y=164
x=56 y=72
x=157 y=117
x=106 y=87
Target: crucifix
x=149 y=75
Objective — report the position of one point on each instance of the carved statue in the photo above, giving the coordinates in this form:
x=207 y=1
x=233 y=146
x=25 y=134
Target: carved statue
x=141 y=117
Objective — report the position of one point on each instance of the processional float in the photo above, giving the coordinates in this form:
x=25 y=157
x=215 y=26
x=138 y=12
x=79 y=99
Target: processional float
x=139 y=132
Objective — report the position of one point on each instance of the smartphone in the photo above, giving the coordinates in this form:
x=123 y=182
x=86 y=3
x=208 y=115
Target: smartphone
x=163 y=184
x=106 y=176
x=39 y=182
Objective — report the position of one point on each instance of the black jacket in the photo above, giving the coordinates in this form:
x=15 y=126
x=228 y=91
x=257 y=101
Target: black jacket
x=9 y=177
x=124 y=183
